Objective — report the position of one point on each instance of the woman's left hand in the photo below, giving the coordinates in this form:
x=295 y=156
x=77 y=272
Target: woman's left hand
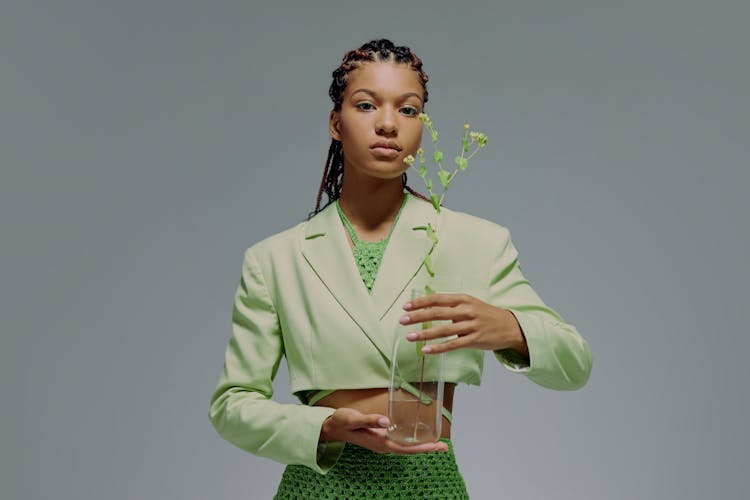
x=475 y=323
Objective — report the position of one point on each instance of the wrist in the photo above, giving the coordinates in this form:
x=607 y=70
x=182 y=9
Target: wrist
x=325 y=430
x=519 y=343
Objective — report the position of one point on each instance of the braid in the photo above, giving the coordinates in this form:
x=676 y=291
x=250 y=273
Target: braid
x=415 y=193
x=385 y=50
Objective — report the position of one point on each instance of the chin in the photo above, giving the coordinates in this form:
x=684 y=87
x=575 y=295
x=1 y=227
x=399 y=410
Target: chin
x=386 y=175
x=376 y=170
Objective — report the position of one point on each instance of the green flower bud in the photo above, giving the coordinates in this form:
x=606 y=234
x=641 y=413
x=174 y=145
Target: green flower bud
x=445 y=178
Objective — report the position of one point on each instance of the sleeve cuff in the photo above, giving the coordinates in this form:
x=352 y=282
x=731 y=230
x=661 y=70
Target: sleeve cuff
x=512 y=360
x=328 y=454
x=559 y=358
x=320 y=457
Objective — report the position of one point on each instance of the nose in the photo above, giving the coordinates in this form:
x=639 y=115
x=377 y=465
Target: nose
x=386 y=123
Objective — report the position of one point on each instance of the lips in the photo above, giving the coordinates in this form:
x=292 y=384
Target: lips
x=386 y=145
x=386 y=150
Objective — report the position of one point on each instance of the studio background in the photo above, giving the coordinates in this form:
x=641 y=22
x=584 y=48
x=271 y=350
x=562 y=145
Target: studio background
x=145 y=145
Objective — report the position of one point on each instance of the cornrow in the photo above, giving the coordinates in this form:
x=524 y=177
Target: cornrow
x=333 y=173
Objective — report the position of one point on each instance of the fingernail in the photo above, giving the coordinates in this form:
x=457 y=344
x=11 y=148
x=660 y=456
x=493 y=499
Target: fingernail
x=412 y=336
x=403 y=320
x=407 y=306
x=383 y=422
x=427 y=349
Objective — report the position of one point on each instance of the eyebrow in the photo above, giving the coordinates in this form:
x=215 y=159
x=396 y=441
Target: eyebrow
x=375 y=94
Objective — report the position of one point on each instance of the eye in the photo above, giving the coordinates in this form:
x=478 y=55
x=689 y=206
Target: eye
x=364 y=103
x=411 y=111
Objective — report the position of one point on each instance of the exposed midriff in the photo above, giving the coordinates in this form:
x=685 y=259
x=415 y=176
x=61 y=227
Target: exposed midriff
x=376 y=401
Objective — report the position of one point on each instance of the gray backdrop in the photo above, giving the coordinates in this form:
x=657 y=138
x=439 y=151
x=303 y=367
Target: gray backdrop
x=145 y=145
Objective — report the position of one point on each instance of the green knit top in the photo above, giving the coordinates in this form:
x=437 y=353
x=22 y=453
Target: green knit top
x=368 y=254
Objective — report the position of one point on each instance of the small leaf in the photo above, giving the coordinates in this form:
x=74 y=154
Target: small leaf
x=462 y=162
x=445 y=178
x=465 y=144
x=434 y=135
x=429 y=184
x=431 y=234
x=428 y=265
x=435 y=201
x=422 y=171
x=430 y=230
x=427 y=324
x=437 y=156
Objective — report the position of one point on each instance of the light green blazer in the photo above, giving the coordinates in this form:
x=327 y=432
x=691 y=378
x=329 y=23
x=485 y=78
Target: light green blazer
x=301 y=296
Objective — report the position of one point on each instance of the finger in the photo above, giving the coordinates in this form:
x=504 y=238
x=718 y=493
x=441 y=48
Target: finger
x=435 y=313
x=370 y=420
x=450 y=345
x=436 y=299
x=377 y=441
x=436 y=332
x=416 y=448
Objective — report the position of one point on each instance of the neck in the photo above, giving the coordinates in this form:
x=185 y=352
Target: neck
x=373 y=204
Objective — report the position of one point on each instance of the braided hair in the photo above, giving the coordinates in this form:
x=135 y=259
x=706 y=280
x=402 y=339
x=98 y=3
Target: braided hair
x=385 y=50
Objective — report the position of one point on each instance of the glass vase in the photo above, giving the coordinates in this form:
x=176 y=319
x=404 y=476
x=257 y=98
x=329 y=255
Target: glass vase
x=415 y=394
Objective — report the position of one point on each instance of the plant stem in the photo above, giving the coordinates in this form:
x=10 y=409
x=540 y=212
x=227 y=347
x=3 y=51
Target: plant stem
x=449 y=180
x=424 y=179
x=419 y=401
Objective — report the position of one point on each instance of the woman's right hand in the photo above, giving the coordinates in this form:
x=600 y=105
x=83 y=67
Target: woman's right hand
x=369 y=431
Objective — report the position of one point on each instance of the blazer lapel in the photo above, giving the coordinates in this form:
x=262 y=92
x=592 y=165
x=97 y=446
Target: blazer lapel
x=404 y=254
x=326 y=249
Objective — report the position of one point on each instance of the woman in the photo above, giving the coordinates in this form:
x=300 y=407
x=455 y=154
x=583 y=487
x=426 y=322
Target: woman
x=331 y=295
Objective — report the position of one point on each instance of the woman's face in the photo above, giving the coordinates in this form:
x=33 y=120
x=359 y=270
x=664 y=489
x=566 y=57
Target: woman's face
x=378 y=123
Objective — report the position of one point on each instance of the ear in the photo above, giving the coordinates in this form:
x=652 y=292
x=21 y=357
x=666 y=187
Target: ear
x=334 y=125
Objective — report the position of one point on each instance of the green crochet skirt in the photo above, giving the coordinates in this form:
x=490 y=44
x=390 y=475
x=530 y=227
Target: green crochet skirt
x=361 y=473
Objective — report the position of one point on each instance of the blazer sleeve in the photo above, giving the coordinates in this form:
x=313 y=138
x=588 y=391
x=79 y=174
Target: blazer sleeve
x=241 y=410
x=559 y=357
